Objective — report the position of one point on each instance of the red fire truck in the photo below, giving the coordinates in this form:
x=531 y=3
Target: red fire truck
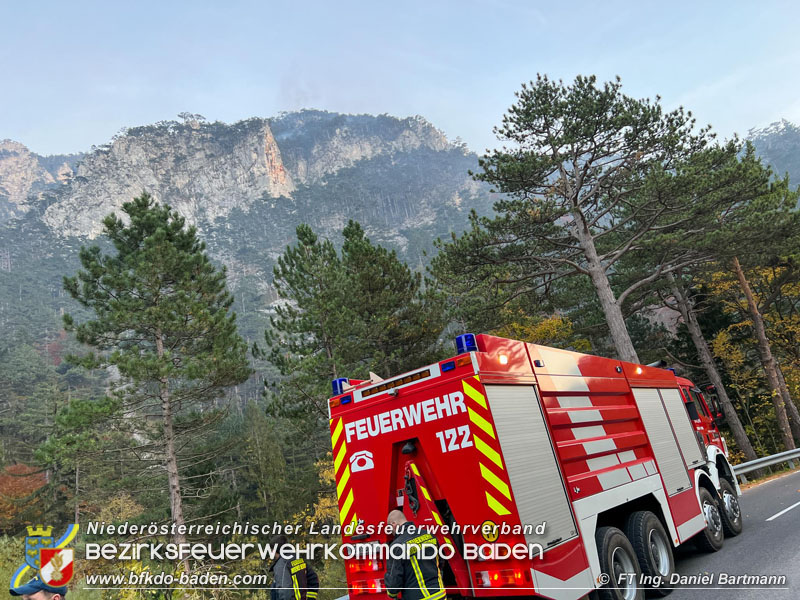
x=603 y=466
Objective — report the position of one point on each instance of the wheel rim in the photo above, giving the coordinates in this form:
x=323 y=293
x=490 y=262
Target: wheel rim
x=712 y=518
x=659 y=551
x=731 y=504
x=624 y=573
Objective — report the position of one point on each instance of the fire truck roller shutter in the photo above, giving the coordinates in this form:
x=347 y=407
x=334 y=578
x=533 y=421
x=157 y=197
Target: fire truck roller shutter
x=531 y=463
x=692 y=454
x=665 y=447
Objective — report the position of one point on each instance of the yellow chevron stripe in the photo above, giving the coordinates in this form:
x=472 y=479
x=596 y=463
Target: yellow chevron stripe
x=488 y=451
x=437 y=518
x=346 y=508
x=482 y=423
x=337 y=462
x=496 y=506
x=343 y=481
x=478 y=377
x=501 y=485
x=414 y=469
x=474 y=394
x=425 y=492
x=337 y=432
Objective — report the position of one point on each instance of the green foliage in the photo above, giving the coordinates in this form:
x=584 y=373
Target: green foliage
x=344 y=315
x=162 y=310
x=162 y=321
x=583 y=178
x=11 y=556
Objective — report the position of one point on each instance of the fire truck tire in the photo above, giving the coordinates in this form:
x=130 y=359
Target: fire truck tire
x=653 y=549
x=729 y=509
x=618 y=562
x=713 y=536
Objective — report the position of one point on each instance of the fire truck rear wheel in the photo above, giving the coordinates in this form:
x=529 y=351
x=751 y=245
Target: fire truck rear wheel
x=618 y=562
x=712 y=537
x=653 y=549
x=729 y=509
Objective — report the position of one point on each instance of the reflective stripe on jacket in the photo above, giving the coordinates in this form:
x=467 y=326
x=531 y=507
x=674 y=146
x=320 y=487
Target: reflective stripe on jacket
x=294 y=580
x=417 y=578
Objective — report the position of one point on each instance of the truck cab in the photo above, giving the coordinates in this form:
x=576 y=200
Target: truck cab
x=704 y=414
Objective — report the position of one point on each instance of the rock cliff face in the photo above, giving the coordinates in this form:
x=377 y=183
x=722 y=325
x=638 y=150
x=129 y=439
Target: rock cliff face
x=206 y=170
x=318 y=143
x=202 y=170
x=779 y=145
x=24 y=174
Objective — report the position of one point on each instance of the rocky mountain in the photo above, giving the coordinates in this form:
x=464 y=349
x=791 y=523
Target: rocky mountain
x=246 y=186
x=779 y=145
x=23 y=175
x=203 y=170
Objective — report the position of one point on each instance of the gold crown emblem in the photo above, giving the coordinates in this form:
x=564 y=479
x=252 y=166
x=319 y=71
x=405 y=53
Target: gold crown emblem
x=39 y=530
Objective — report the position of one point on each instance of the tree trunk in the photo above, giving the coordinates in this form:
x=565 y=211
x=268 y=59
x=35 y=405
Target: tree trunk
x=77 y=480
x=791 y=407
x=707 y=359
x=767 y=359
x=614 y=318
x=170 y=456
x=608 y=302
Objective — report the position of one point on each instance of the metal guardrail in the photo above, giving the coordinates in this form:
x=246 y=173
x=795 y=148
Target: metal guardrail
x=767 y=461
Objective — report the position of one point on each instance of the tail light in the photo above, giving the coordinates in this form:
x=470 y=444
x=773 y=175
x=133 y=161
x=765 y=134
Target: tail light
x=504 y=578
x=370 y=586
x=366 y=565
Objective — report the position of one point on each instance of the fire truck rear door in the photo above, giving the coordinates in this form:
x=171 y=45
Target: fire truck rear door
x=536 y=480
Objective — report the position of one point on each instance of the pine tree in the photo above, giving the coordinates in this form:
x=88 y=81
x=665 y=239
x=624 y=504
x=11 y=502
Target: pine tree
x=344 y=315
x=305 y=337
x=397 y=322
x=578 y=180
x=161 y=319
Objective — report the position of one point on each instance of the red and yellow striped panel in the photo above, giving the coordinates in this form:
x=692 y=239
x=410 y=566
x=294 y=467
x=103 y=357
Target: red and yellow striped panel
x=341 y=468
x=498 y=491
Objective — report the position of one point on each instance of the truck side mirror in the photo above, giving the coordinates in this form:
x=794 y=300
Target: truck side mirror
x=711 y=394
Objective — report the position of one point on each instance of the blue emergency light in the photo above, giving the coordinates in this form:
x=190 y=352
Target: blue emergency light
x=466 y=343
x=338 y=385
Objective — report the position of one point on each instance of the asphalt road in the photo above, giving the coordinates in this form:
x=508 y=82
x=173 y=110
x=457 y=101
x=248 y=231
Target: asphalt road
x=769 y=545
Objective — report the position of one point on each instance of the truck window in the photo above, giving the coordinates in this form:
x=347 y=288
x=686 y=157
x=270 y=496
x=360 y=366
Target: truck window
x=692 y=410
x=698 y=402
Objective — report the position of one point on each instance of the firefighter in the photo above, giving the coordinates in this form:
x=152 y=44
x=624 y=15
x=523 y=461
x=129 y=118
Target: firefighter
x=294 y=578
x=417 y=578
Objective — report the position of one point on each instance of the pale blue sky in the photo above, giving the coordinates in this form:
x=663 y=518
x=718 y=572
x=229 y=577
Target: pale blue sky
x=72 y=73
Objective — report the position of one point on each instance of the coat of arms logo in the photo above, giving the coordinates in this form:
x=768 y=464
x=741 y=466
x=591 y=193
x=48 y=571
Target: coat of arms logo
x=47 y=557
x=38 y=538
x=56 y=569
